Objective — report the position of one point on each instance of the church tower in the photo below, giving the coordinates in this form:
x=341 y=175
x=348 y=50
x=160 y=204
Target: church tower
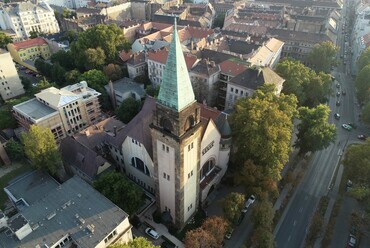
x=176 y=137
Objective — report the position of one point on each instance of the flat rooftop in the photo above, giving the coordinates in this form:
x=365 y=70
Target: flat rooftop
x=34 y=109
x=73 y=208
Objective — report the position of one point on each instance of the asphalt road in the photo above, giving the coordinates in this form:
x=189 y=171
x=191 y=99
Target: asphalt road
x=293 y=226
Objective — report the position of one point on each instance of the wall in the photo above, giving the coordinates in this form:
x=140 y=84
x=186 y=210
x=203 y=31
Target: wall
x=118 y=12
x=138 y=10
x=10 y=83
x=123 y=232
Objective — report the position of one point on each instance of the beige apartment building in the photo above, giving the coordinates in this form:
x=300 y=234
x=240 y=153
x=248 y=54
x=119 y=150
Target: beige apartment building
x=10 y=84
x=65 y=111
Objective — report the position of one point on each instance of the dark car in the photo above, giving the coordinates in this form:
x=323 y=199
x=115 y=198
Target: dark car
x=337 y=103
x=361 y=137
x=343 y=93
x=338 y=85
x=337 y=116
x=353 y=125
x=338 y=93
x=241 y=217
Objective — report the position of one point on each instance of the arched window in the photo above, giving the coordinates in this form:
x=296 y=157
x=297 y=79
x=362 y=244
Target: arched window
x=139 y=164
x=166 y=124
x=189 y=123
x=207 y=168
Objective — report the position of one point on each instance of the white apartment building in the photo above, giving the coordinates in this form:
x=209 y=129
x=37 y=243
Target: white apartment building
x=70 y=4
x=10 y=84
x=24 y=17
x=65 y=111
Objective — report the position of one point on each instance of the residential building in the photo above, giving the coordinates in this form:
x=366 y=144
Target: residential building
x=69 y=4
x=72 y=214
x=10 y=83
x=26 y=52
x=175 y=147
x=27 y=17
x=65 y=111
x=247 y=82
x=123 y=89
x=136 y=65
x=204 y=77
x=157 y=64
x=358 y=46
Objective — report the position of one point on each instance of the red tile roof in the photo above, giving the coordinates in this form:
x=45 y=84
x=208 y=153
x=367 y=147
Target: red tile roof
x=207 y=112
x=232 y=68
x=125 y=56
x=29 y=43
x=161 y=57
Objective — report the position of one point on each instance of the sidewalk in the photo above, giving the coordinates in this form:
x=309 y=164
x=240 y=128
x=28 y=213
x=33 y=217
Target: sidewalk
x=161 y=229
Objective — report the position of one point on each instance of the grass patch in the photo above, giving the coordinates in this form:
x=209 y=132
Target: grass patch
x=199 y=217
x=7 y=178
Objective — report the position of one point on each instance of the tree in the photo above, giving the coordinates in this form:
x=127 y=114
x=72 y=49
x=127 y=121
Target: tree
x=113 y=72
x=139 y=242
x=128 y=109
x=65 y=59
x=121 y=191
x=309 y=87
x=232 y=206
x=262 y=238
x=322 y=56
x=364 y=59
x=35 y=34
x=71 y=35
x=43 y=84
x=27 y=85
x=7 y=120
x=200 y=238
x=95 y=79
x=43 y=67
x=108 y=37
x=4 y=40
x=58 y=74
x=314 y=131
x=216 y=226
x=262 y=129
x=263 y=214
x=201 y=91
x=41 y=149
x=72 y=76
x=219 y=21
x=152 y=91
x=366 y=113
x=362 y=84
x=357 y=163
x=14 y=150
x=95 y=58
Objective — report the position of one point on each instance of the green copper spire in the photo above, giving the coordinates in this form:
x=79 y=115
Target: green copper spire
x=176 y=91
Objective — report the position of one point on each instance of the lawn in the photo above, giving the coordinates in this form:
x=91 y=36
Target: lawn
x=7 y=178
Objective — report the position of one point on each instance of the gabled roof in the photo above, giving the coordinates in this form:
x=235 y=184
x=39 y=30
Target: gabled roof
x=206 y=67
x=56 y=97
x=176 y=91
x=125 y=56
x=161 y=56
x=137 y=59
x=254 y=78
x=29 y=43
x=232 y=68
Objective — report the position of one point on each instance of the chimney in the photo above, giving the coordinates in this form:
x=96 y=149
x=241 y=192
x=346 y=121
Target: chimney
x=115 y=131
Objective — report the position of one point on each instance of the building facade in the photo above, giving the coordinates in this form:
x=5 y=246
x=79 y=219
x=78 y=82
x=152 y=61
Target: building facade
x=65 y=111
x=27 y=17
x=10 y=84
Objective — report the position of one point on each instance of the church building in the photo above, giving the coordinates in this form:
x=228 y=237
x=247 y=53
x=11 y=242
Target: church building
x=176 y=148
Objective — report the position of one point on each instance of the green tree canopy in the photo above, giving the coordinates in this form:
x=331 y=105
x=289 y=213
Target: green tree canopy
x=219 y=21
x=128 y=109
x=263 y=214
x=322 y=56
x=152 y=91
x=262 y=238
x=108 y=37
x=65 y=59
x=4 y=40
x=139 y=242
x=121 y=191
x=113 y=72
x=95 y=79
x=58 y=74
x=232 y=205
x=95 y=58
x=366 y=113
x=43 y=67
x=362 y=84
x=41 y=149
x=6 y=119
x=309 y=87
x=14 y=150
x=364 y=59
x=314 y=131
x=357 y=163
x=262 y=129
x=72 y=76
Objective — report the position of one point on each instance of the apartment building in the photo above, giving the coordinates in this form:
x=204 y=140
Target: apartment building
x=29 y=50
x=65 y=111
x=26 y=17
x=10 y=84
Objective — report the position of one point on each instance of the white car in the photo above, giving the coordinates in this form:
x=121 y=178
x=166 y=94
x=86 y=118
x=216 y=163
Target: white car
x=248 y=203
x=153 y=234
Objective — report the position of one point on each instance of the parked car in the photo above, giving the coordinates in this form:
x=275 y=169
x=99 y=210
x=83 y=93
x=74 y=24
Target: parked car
x=347 y=127
x=353 y=125
x=229 y=233
x=153 y=234
x=337 y=116
x=248 y=203
x=241 y=217
x=338 y=85
x=361 y=137
x=343 y=92
x=351 y=241
x=338 y=93
x=337 y=103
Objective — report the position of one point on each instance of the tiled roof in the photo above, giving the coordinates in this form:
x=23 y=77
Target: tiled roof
x=160 y=56
x=125 y=56
x=206 y=67
x=254 y=78
x=232 y=68
x=136 y=59
x=29 y=43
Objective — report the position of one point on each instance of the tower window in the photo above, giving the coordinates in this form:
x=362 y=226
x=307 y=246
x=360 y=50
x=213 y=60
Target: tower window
x=166 y=124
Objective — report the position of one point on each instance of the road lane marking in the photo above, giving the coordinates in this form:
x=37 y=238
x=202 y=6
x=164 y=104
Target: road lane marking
x=294 y=223
x=289 y=238
x=300 y=210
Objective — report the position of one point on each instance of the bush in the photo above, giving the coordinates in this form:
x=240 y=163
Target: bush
x=157 y=217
